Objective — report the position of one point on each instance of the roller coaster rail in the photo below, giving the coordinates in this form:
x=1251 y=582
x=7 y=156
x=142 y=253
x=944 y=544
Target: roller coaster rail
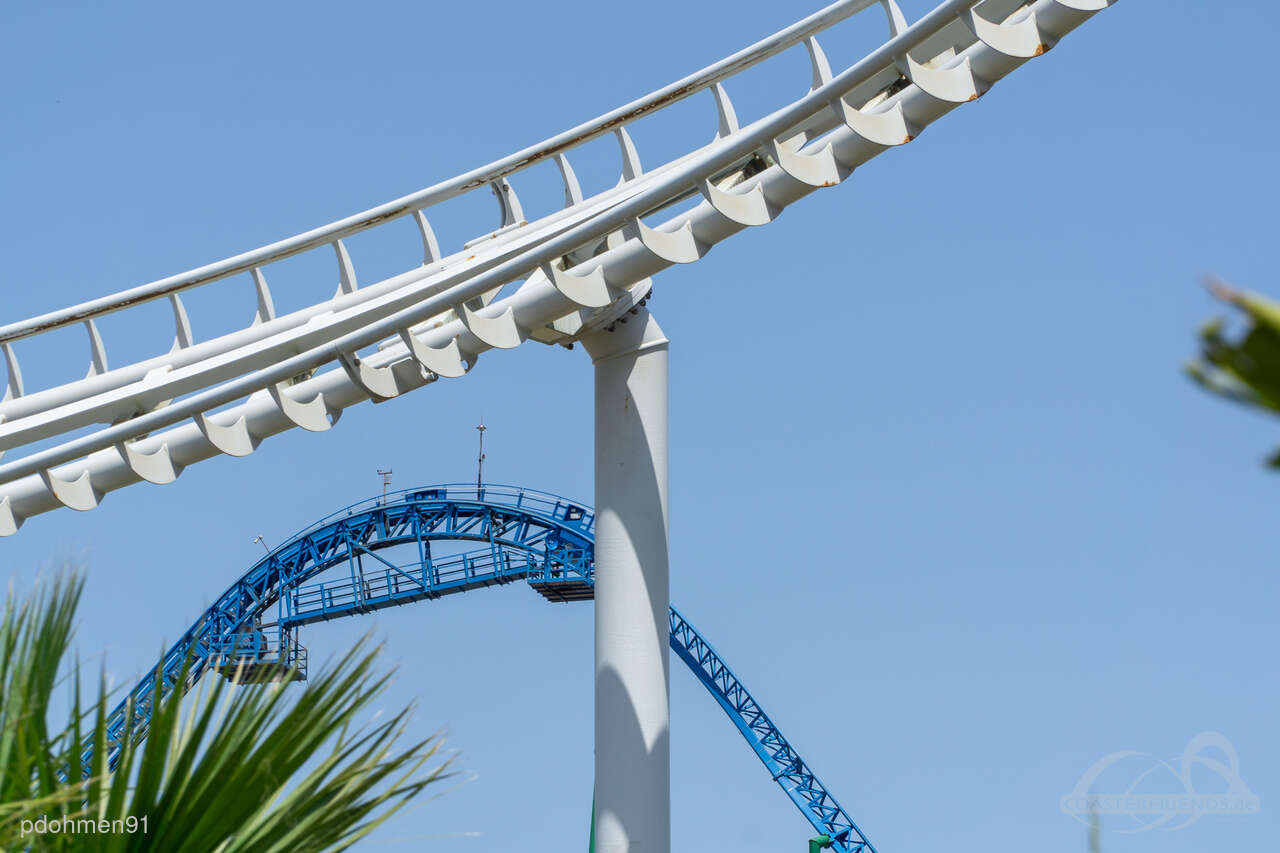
x=570 y=275
x=553 y=279
x=540 y=538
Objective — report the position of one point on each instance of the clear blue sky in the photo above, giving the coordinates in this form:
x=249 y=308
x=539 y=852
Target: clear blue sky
x=955 y=516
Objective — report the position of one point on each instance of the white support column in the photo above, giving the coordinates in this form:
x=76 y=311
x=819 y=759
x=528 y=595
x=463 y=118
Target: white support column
x=633 y=744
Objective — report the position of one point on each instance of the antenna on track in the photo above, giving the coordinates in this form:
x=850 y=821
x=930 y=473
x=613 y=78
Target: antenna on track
x=480 y=461
x=386 y=480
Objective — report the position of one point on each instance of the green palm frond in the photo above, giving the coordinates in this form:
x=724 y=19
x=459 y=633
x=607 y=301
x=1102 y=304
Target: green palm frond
x=1246 y=369
x=223 y=769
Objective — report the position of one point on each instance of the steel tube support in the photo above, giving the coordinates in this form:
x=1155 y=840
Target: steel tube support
x=632 y=725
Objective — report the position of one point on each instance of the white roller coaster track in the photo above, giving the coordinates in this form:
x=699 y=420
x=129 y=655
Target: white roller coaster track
x=571 y=271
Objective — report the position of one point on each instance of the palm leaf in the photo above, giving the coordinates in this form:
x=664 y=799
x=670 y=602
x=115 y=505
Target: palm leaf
x=1245 y=369
x=223 y=768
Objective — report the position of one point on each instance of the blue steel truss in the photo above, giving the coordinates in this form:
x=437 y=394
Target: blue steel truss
x=545 y=540
x=783 y=762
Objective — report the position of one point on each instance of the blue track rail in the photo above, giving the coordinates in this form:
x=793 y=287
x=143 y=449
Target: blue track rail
x=783 y=762
x=335 y=568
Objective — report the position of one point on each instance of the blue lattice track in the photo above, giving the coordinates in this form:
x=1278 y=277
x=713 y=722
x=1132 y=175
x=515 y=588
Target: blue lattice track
x=523 y=535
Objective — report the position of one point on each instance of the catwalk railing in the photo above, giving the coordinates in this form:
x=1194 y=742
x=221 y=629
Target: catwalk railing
x=542 y=539
x=552 y=277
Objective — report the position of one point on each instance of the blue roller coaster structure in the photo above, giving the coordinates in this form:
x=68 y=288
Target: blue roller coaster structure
x=524 y=535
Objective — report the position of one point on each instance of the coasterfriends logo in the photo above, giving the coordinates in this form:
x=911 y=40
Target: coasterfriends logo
x=1159 y=794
